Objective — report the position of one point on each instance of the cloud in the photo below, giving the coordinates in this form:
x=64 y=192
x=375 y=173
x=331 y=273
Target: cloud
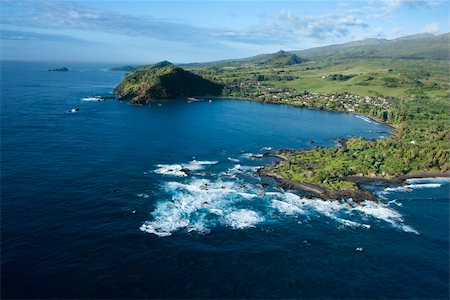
x=431 y=28
x=286 y=26
x=34 y=36
x=68 y=15
x=399 y=32
x=384 y=8
x=282 y=28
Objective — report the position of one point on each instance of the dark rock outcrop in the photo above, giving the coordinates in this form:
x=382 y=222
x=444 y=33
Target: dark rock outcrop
x=62 y=69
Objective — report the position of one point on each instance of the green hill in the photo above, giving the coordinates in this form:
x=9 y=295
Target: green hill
x=163 y=81
x=277 y=59
x=280 y=58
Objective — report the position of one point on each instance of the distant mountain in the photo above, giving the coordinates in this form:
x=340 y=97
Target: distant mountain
x=277 y=59
x=419 y=46
x=163 y=81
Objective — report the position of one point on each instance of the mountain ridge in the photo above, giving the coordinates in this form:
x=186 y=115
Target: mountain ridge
x=416 y=46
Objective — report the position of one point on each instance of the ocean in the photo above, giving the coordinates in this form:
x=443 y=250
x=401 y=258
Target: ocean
x=95 y=203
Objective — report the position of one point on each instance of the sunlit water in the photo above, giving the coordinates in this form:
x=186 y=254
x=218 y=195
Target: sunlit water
x=95 y=202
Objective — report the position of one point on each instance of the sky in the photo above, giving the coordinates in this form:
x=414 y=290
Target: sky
x=137 y=32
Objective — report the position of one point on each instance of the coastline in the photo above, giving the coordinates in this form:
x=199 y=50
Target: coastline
x=372 y=118
x=358 y=194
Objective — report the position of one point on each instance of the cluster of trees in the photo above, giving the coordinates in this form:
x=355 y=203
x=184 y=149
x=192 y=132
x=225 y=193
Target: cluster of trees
x=341 y=77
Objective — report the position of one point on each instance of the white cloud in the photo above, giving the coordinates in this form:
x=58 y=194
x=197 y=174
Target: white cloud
x=384 y=8
x=69 y=15
x=431 y=28
x=286 y=26
x=399 y=32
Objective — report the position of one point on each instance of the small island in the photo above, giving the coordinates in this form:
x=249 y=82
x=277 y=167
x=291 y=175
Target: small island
x=163 y=81
x=61 y=69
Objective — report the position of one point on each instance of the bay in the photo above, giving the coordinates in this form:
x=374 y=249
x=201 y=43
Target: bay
x=94 y=203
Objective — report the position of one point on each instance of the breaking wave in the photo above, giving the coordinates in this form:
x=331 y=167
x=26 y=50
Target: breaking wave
x=236 y=199
x=243 y=218
x=200 y=205
x=182 y=169
x=95 y=98
x=426 y=180
x=233 y=159
x=366 y=119
x=252 y=156
x=422 y=186
x=416 y=183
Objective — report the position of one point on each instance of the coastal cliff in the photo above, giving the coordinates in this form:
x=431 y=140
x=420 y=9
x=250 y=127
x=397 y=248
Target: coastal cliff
x=163 y=81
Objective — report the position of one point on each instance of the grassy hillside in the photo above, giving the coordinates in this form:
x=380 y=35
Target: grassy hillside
x=163 y=81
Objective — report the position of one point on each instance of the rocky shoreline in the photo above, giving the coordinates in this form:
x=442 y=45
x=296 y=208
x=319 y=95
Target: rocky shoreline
x=358 y=195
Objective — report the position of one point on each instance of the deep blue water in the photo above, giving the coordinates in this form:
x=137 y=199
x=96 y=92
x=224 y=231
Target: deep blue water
x=93 y=203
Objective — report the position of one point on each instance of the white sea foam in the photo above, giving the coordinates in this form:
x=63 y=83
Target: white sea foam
x=423 y=186
x=173 y=170
x=233 y=159
x=267 y=148
x=199 y=205
x=385 y=213
x=430 y=179
x=142 y=195
x=96 y=98
x=395 y=189
x=364 y=118
x=410 y=187
x=252 y=156
x=395 y=202
x=229 y=199
x=243 y=218
x=338 y=211
x=291 y=204
x=176 y=169
x=240 y=169
x=287 y=208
